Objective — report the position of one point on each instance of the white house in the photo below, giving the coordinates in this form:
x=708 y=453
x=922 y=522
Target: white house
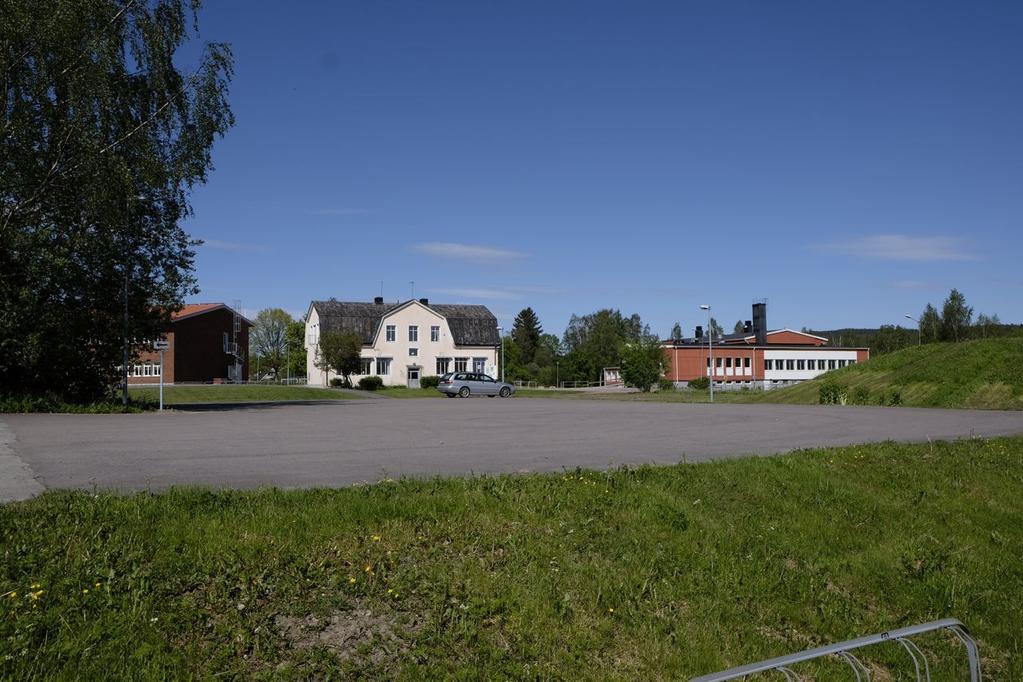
x=402 y=342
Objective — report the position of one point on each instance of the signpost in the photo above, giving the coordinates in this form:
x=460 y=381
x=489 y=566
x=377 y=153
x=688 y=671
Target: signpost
x=161 y=346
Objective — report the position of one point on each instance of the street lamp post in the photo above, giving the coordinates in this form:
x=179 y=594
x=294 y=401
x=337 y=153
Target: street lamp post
x=710 y=349
x=919 y=330
x=557 y=374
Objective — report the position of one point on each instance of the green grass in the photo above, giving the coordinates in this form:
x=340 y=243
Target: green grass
x=405 y=392
x=238 y=393
x=655 y=573
x=983 y=374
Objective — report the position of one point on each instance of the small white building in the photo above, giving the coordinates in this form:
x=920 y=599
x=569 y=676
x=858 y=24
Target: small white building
x=403 y=342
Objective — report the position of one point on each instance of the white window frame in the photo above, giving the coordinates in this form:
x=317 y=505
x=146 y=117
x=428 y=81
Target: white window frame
x=391 y=333
x=381 y=364
x=464 y=362
x=366 y=366
x=435 y=333
x=479 y=365
x=413 y=333
x=413 y=352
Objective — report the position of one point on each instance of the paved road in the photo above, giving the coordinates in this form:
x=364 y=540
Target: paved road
x=365 y=440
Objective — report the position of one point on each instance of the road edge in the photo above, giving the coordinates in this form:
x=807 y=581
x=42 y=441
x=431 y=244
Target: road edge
x=17 y=481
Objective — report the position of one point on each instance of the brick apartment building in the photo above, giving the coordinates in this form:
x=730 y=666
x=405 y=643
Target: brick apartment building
x=207 y=344
x=756 y=357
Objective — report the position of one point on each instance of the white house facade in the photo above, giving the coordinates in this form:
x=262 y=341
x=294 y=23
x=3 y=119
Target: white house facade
x=403 y=342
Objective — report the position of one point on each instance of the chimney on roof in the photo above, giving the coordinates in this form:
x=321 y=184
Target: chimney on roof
x=379 y=300
x=699 y=332
x=748 y=327
x=760 y=322
x=424 y=301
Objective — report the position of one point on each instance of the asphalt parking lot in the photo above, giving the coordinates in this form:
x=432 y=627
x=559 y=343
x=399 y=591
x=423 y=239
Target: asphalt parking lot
x=293 y=446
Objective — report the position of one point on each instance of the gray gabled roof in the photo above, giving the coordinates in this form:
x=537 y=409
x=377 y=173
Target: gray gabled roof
x=471 y=325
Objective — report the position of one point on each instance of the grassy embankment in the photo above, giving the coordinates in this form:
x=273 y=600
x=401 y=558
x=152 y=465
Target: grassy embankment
x=982 y=374
x=655 y=573
x=238 y=393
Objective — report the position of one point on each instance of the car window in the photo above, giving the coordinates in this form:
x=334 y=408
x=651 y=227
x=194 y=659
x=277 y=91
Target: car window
x=485 y=377
x=460 y=377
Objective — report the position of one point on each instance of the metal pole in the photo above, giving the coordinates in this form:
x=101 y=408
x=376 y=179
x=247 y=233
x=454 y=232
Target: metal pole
x=710 y=348
x=502 y=358
x=161 y=380
x=124 y=349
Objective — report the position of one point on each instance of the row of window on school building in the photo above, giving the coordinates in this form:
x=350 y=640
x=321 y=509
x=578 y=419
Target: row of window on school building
x=382 y=366
x=781 y=365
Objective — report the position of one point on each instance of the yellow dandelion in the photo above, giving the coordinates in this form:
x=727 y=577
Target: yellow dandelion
x=35 y=586
x=610 y=610
x=85 y=591
x=376 y=538
x=351 y=580
x=98 y=584
x=367 y=568
x=12 y=595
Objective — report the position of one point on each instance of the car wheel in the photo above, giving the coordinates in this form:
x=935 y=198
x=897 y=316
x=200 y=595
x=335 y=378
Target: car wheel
x=449 y=395
x=505 y=392
x=463 y=392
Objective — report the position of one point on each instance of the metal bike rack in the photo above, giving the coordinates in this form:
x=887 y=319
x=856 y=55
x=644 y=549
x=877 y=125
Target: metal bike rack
x=844 y=651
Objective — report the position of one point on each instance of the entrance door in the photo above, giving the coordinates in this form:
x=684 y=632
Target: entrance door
x=413 y=377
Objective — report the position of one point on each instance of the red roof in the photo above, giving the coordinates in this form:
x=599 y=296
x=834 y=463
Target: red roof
x=190 y=309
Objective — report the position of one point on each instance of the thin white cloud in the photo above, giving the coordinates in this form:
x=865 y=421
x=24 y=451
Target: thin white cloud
x=902 y=247
x=234 y=246
x=477 y=293
x=910 y=284
x=474 y=252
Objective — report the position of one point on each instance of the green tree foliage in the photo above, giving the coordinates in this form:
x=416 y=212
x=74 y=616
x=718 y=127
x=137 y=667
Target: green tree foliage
x=739 y=327
x=340 y=353
x=102 y=137
x=296 y=354
x=891 y=338
x=956 y=317
x=595 y=341
x=930 y=325
x=676 y=332
x=527 y=331
x=716 y=330
x=642 y=363
x=987 y=326
x=268 y=339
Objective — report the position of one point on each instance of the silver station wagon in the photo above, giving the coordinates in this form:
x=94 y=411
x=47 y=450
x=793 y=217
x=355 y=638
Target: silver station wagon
x=465 y=384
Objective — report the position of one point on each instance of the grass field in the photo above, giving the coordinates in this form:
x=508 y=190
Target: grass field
x=241 y=393
x=655 y=573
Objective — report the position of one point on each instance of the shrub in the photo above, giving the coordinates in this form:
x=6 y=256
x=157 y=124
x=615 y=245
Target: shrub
x=700 y=383
x=833 y=394
x=371 y=383
x=665 y=384
x=861 y=396
x=892 y=399
x=429 y=382
x=340 y=382
x=53 y=403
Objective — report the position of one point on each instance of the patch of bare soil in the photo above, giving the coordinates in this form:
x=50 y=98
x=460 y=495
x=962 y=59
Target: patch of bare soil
x=371 y=635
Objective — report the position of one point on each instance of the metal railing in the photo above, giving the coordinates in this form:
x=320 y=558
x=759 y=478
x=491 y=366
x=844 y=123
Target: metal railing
x=844 y=650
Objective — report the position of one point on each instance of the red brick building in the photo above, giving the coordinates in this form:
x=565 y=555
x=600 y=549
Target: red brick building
x=756 y=357
x=207 y=344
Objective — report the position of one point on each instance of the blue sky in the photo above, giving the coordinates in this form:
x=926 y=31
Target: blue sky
x=847 y=161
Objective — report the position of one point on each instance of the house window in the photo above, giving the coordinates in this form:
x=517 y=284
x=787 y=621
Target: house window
x=383 y=366
x=841 y=363
x=461 y=364
x=820 y=364
x=717 y=362
x=413 y=352
x=800 y=364
x=831 y=364
x=443 y=365
x=728 y=363
x=479 y=365
x=391 y=333
x=852 y=362
x=367 y=366
x=157 y=370
x=745 y=363
x=790 y=364
x=413 y=333
x=768 y=364
x=435 y=333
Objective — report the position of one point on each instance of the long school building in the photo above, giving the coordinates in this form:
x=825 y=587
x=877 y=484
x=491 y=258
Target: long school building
x=757 y=357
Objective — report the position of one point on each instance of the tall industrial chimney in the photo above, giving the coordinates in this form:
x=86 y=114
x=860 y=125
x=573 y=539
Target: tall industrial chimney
x=760 y=323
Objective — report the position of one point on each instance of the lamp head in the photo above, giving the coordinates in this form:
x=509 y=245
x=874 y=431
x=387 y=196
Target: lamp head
x=704 y=307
